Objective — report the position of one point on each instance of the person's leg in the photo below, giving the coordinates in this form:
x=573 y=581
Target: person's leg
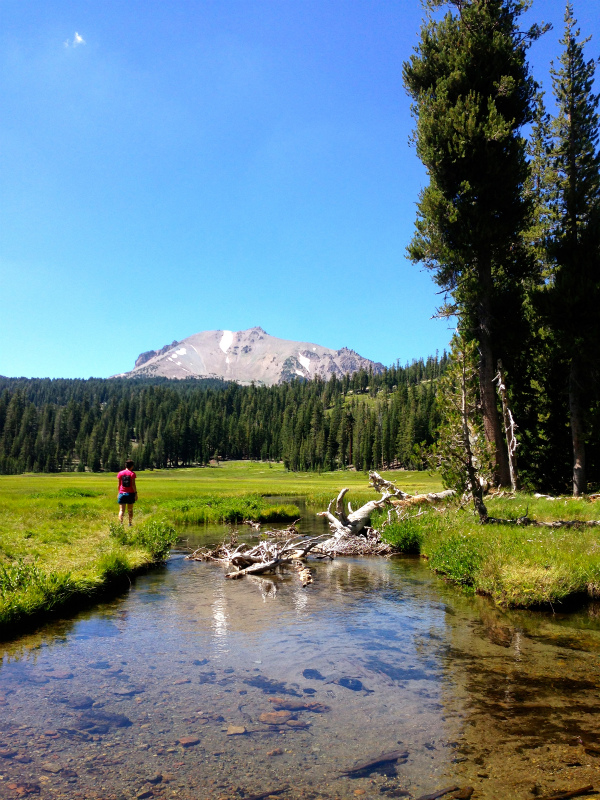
x=121 y=511
x=130 y=512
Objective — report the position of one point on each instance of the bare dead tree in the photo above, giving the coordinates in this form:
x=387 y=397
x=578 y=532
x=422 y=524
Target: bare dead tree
x=510 y=427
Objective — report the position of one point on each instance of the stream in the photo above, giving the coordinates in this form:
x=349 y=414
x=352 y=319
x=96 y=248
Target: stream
x=162 y=691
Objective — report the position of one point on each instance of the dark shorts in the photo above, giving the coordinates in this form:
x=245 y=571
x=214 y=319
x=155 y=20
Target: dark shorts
x=126 y=498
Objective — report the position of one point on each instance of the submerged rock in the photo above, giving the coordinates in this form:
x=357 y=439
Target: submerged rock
x=269 y=686
x=313 y=675
x=350 y=683
x=188 y=741
x=76 y=701
x=275 y=717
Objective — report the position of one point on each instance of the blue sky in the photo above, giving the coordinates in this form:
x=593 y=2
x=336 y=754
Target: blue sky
x=172 y=167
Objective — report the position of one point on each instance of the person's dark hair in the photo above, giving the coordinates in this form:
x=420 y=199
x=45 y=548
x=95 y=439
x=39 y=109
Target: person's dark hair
x=129 y=463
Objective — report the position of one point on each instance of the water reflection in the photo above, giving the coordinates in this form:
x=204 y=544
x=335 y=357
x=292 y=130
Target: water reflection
x=194 y=686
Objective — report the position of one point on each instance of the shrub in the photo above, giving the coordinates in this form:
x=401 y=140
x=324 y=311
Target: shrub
x=405 y=535
x=113 y=565
x=154 y=535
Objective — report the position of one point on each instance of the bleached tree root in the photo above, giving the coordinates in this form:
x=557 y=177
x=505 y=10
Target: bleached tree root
x=351 y=534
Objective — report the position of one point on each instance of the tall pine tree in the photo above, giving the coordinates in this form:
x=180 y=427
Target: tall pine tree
x=472 y=93
x=576 y=236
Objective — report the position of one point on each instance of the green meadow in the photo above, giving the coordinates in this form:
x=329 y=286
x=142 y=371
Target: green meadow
x=60 y=541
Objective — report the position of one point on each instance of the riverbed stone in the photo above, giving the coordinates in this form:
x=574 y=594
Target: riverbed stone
x=188 y=741
x=350 y=683
x=129 y=691
x=275 y=717
x=313 y=675
x=235 y=730
x=76 y=701
x=25 y=789
x=53 y=768
x=60 y=675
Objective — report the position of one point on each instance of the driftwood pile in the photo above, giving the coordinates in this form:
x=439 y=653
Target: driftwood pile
x=266 y=556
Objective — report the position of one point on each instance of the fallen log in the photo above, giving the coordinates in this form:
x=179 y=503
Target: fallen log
x=266 y=556
x=283 y=533
x=421 y=499
x=534 y=523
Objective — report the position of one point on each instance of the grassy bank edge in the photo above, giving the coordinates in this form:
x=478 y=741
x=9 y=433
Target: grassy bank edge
x=31 y=594
x=516 y=566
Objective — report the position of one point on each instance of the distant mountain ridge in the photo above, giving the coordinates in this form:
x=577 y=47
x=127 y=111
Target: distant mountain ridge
x=251 y=356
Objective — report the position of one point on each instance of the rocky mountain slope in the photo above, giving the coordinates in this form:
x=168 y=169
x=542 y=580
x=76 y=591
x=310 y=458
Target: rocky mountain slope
x=246 y=357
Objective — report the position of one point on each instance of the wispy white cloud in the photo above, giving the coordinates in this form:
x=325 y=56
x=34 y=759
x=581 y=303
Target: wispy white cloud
x=76 y=41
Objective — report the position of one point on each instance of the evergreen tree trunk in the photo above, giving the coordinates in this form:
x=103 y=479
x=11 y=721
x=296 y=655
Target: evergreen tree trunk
x=575 y=244
x=473 y=478
x=487 y=393
x=577 y=430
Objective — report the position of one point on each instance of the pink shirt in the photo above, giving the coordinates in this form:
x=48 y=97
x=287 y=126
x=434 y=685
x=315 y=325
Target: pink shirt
x=126 y=489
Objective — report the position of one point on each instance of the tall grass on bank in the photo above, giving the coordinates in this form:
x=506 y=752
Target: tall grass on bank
x=28 y=589
x=515 y=565
x=200 y=510
x=156 y=536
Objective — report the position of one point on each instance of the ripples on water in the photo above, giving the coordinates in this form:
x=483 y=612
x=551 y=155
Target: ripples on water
x=135 y=698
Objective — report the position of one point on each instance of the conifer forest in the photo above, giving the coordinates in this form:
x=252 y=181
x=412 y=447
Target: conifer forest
x=363 y=420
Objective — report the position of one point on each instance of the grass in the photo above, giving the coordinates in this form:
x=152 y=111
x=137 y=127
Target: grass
x=59 y=542
x=199 y=510
x=516 y=566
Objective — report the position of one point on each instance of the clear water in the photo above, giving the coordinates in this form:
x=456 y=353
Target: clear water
x=137 y=697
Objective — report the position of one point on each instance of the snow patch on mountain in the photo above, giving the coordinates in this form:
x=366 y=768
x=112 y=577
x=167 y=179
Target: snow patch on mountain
x=226 y=341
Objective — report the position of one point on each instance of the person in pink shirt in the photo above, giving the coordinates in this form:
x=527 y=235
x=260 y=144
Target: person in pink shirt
x=127 y=491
